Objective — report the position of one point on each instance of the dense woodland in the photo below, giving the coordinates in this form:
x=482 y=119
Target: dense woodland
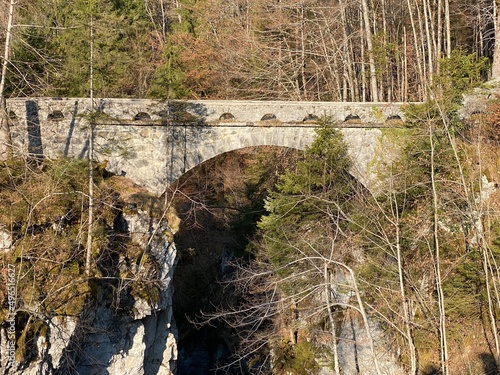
x=419 y=260
x=343 y=50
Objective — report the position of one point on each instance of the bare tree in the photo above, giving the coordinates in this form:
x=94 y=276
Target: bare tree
x=88 y=258
x=437 y=261
x=495 y=68
x=369 y=44
x=256 y=320
x=5 y=135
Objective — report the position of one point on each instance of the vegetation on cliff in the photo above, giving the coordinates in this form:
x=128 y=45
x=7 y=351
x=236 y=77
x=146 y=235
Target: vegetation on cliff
x=420 y=259
x=43 y=221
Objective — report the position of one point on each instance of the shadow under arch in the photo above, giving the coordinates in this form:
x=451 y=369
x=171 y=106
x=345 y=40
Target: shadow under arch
x=219 y=203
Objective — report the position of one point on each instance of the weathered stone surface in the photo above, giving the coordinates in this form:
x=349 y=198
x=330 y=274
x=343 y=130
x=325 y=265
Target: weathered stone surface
x=355 y=354
x=105 y=341
x=5 y=239
x=182 y=134
x=477 y=101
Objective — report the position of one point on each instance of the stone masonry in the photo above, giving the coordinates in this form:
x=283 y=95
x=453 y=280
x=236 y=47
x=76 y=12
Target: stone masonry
x=155 y=142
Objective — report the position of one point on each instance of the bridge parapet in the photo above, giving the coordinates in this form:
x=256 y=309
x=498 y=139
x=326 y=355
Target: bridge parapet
x=204 y=111
x=292 y=111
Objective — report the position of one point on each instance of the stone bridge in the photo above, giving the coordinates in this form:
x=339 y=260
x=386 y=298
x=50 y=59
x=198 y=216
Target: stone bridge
x=155 y=142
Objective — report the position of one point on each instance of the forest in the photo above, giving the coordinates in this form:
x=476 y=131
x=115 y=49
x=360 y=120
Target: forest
x=343 y=50
x=316 y=251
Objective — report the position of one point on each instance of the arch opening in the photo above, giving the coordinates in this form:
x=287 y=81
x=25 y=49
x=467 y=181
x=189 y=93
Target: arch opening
x=142 y=116
x=394 y=118
x=352 y=119
x=221 y=202
x=55 y=115
x=268 y=117
x=226 y=116
x=222 y=199
x=311 y=118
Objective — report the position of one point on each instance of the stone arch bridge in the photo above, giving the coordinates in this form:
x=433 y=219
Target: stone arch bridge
x=155 y=142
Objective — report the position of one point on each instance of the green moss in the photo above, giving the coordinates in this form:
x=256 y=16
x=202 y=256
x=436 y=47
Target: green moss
x=392 y=140
x=298 y=359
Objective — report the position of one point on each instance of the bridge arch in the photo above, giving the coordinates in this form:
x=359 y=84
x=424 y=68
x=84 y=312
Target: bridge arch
x=243 y=151
x=190 y=146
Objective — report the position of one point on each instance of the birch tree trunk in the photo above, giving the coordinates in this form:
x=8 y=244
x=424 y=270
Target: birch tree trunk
x=495 y=68
x=5 y=135
x=369 y=45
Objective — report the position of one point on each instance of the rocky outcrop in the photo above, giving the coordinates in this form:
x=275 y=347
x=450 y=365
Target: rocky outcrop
x=5 y=240
x=355 y=355
x=106 y=339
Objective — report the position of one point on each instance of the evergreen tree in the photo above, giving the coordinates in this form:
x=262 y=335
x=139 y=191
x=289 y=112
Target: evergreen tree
x=53 y=49
x=303 y=242
x=307 y=199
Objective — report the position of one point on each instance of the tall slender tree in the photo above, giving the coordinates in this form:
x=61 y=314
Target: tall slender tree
x=369 y=44
x=495 y=68
x=5 y=134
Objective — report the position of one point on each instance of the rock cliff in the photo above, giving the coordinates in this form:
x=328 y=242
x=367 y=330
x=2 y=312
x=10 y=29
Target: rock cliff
x=124 y=324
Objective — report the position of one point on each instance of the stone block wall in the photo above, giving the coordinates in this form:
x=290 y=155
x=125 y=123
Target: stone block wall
x=155 y=142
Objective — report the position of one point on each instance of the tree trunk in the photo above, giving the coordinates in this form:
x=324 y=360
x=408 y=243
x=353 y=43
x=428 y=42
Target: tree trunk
x=427 y=22
x=303 y=79
x=495 y=68
x=91 y=154
x=333 y=329
x=447 y=27
x=417 y=51
x=405 y=303
x=363 y=71
x=437 y=266
x=371 y=57
x=349 y=74
x=5 y=134
x=404 y=81
x=439 y=32
x=364 y=316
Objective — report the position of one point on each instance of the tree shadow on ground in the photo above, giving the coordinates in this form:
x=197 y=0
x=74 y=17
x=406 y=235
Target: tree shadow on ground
x=489 y=364
x=431 y=370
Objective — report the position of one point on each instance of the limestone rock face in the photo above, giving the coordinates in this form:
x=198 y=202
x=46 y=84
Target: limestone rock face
x=5 y=240
x=106 y=340
x=355 y=355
